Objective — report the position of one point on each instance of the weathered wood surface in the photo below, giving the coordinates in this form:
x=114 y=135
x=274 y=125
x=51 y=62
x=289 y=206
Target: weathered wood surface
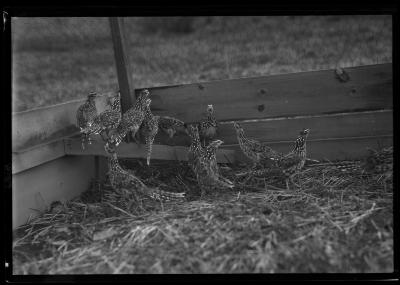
x=44 y=125
x=372 y=123
x=35 y=156
x=131 y=150
x=305 y=93
x=122 y=62
x=335 y=126
x=37 y=187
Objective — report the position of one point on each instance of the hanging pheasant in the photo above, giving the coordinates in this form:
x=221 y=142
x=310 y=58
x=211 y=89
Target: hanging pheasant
x=85 y=115
x=123 y=179
x=149 y=130
x=132 y=119
x=107 y=121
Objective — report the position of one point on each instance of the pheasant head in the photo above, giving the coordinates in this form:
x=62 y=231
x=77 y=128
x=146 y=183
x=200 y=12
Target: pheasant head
x=238 y=128
x=300 y=143
x=210 y=109
x=215 y=144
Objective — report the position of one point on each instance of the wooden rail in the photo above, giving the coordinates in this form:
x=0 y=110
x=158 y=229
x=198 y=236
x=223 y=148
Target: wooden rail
x=304 y=93
x=233 y=100
x=336 y=119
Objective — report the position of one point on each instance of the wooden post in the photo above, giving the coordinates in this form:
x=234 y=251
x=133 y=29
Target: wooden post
x=122 y=63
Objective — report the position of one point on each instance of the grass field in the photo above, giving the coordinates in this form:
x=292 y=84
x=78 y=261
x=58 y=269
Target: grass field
x=60 y=59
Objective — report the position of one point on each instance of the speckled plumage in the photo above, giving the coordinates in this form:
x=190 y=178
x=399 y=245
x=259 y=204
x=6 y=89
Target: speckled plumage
x=123 y=179
x=107 y=120
x=208 y=126
x=85 y=114
x=132 y=118
x=291 y=163
x=254 y=149
x=377 y=163
x=149 y=130
x=204 y=164
x=171 y=126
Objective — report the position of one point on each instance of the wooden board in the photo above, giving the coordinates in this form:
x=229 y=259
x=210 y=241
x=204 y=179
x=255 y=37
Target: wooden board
x=44 y=125
x=358 y=124
x=36 y=156
x=305 y=93
x=131 y=150
x=38 y=187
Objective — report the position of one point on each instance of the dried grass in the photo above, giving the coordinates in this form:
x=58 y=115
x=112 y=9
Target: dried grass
x=334 y=222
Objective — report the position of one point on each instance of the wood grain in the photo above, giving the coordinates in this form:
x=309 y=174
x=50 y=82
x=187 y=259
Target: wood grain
x=37 y=156
x=44 y=125
x=358 y=124
x=131 y=150
x=305 y=93
x=122 y=62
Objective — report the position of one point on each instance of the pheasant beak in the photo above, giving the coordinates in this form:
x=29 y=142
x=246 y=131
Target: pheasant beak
x=218 y=142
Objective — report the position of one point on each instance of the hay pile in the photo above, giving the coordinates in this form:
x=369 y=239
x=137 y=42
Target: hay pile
x=335 y=222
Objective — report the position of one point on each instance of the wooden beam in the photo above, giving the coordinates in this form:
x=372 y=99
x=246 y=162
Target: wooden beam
x=125 y=150
x=122 y=62
x=36 y=156
x=293 y=94
x=305 y=93
x=45 y=125
x=359 y=124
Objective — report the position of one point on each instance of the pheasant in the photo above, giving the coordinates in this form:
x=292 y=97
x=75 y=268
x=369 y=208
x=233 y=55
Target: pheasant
x=123 y=179
x=195 y=149
x=291 y=163
x=203 y=163
x=377 y=162
x=106 y=121
x=254 y=149
x=171 y=126
x=210 y=160
x=86 y=114
x=208 y=126
x=132 y=119
x=149 y=130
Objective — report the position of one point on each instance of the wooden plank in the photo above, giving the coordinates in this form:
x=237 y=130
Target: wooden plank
x=122 y=62
x=286 y=95
x=124 y=150
x=358 y=124
x=33 y=157
x=44 y=125
x=305 y=93
x=331 y=149
x=38 y=187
